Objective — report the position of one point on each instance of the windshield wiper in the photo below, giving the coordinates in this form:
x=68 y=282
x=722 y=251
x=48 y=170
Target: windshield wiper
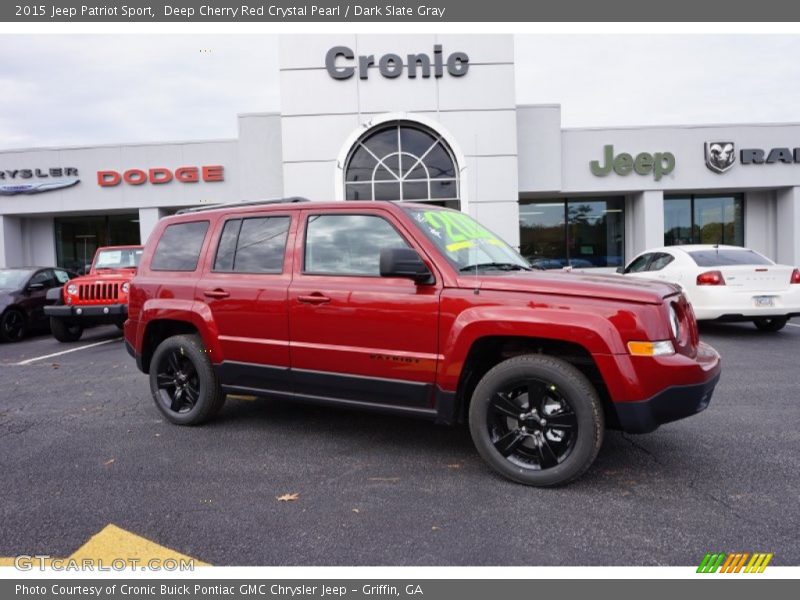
x=499 y=266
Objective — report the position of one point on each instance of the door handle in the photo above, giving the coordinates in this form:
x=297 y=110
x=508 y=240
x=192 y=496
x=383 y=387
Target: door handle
x=216 y=293
x=315 y=298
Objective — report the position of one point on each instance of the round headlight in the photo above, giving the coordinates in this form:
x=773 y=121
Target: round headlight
x=125 y=287
x=72 y=289
x=674 y=322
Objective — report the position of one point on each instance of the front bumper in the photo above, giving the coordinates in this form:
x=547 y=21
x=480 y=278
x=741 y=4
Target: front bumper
x=676 y=402
x=108 y=313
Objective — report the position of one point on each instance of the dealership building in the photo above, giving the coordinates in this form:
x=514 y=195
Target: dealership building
x=423 y=118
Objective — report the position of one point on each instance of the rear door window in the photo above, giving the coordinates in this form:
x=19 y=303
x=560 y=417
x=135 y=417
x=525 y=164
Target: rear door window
x=255 y=245
x=725 y=257
x=179 y=247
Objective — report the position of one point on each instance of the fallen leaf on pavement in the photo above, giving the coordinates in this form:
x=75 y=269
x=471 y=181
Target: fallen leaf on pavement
x=110 y=461
x=384 y=479
x=288 y=497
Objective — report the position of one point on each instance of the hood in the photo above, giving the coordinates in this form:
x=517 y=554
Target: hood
x=561 y=283
x=108 y=275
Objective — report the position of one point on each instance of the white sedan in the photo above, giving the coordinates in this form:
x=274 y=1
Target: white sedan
x=725 y=283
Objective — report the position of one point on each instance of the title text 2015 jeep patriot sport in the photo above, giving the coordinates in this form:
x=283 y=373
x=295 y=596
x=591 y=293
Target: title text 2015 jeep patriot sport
x=416 y=310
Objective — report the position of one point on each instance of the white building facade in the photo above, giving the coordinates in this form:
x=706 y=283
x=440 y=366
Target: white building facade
x=424 y=118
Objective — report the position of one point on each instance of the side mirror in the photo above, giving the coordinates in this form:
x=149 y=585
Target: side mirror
x=35 y=287
x=404 y=262
x=621 y=270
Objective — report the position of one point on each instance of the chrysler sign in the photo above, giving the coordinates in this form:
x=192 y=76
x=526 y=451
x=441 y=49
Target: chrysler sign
x=36 y=181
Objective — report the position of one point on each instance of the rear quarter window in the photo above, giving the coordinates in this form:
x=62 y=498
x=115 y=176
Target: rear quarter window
x=727 y=258
x=179 y=247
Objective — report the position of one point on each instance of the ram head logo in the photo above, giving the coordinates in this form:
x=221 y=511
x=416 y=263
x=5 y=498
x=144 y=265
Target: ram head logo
x=720 y=156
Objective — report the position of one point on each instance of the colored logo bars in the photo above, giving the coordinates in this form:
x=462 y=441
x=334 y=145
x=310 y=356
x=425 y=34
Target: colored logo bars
x=734 y=563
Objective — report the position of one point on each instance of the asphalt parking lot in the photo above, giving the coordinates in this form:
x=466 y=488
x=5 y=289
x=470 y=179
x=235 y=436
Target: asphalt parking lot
x=83 y=446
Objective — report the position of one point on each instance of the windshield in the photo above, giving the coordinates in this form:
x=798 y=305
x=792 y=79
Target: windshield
x=464 y=242
x=122 y=258
x=725 y=257
x=11 y=279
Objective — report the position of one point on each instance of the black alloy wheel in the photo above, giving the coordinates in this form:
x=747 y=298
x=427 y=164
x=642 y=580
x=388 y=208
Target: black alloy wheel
x=537 y=420
x=12 y=326
x=178 y=382
x=183 y=382
x=531 y=424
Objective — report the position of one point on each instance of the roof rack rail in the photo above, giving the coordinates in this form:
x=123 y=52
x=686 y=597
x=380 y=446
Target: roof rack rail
x=290 y=200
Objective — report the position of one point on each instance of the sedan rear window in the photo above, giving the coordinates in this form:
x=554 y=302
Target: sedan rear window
x=727 y=257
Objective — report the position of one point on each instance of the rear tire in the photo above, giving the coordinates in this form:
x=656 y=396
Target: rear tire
x=65 y=331
x=12 y=325
x=537 y=420
x=771 y=324
x=183 y=382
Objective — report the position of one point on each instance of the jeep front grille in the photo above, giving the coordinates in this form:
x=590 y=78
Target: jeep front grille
x=98 y=291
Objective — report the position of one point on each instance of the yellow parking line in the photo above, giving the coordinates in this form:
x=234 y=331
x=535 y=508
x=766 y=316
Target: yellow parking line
x=113 y=543
x=241 y=397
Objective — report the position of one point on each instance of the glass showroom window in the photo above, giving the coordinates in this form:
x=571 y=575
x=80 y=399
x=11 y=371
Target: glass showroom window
x=693 y=219
x=402 y=161
x=577 y=232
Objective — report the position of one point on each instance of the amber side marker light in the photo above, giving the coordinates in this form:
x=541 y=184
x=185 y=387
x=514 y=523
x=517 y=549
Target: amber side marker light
x=662 y=348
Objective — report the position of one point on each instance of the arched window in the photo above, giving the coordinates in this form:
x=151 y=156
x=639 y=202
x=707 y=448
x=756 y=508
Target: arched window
x=402 y=161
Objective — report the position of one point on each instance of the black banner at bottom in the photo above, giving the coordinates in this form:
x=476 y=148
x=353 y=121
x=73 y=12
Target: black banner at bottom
x=423 y=589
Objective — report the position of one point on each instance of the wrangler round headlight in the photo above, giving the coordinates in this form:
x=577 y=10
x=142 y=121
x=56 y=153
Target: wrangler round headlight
x=125 y=287
x=72 y=289
x=674 y=322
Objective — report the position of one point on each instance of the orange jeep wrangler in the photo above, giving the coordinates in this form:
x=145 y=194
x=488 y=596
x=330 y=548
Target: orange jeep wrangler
x=98 y=298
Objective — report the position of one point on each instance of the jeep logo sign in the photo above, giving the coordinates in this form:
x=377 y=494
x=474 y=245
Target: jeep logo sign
x=644 y=163
x=341 y=63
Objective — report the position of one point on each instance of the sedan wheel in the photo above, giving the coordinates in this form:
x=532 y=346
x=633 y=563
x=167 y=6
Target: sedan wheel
x=771 y=324
x=12 y=326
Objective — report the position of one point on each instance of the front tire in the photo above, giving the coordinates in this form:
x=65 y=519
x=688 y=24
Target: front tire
x=537 y=420
x=12 y=325
x=771 y=324
x=183 y=382
x=65 y=331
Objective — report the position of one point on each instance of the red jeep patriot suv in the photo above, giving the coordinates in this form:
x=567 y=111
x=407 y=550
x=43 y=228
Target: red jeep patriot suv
x=416 y=310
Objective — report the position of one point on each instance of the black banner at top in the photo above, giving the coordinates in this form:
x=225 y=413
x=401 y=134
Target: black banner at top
x=441 y=11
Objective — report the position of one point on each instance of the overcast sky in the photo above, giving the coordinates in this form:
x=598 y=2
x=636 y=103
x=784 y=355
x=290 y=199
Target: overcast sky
x=87 y=90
